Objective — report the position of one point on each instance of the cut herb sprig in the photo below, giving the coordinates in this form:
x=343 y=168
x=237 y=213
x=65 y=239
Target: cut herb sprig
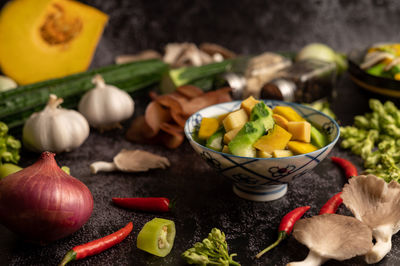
x=213 y=250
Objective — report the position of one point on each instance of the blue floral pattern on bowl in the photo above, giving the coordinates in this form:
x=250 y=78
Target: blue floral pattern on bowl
x=262 y=179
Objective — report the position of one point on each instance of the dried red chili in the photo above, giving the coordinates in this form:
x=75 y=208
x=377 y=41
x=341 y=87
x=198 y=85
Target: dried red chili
x=144 y=204
x=97 y=246
x=286 y=227
x=332 y=204
x=349 y=169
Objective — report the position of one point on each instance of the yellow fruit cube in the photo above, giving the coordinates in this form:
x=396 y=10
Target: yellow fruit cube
x=235 y=119
x=225 y=149
x=300 y=131
x=280 y=120
x=231 y=134
x=248 y=104
x=277 y=139
x=263 y=154
x=282 y=153
x=208 y=126
x=288 y=112
x=298 y=147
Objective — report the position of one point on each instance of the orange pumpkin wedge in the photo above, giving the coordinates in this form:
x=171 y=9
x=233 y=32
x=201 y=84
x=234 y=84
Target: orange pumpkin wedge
x=43 y=39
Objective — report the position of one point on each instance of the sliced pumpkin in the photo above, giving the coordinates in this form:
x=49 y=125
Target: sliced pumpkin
x=277 y=139
x=43 y=39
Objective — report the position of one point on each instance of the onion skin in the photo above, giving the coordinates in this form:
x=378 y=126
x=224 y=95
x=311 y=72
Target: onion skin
x=42 y=203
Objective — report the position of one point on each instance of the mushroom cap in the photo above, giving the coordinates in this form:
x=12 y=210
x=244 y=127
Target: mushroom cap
x=334 y=236
x=138 y=161
x=373 y=201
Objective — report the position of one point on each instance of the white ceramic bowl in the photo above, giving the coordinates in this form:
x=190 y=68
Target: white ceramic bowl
x=262 y=179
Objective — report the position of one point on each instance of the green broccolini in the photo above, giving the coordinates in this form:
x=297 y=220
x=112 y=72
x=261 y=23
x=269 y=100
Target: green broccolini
x=9 y=146
x=375 y=137
x=213 y=250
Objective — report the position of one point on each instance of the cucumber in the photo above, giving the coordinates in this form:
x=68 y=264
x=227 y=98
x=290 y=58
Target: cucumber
x=215 y=141
x=18 y=104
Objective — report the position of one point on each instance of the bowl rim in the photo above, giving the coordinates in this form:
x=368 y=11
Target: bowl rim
x=331 y=143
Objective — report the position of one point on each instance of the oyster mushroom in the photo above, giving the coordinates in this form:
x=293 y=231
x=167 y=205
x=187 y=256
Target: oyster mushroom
x=376 y=204
x=331 y=236
x=374 y=58
x=131 y=161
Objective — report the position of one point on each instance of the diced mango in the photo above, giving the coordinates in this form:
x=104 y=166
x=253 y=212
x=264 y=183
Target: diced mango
x=248 y=104
x=235 y=119
x=277 y=139
x=225 y=149
x=220 y=118
x=208 y=126
x=282 y=153
x=231 y=134
x=300 y=131
x=298 y=147
x=280 y=120
x=263 y=154
x=397 y=76
x=288 y=112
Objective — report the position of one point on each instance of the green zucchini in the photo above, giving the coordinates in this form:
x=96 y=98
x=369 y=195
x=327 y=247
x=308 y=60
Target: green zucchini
x=18 y=104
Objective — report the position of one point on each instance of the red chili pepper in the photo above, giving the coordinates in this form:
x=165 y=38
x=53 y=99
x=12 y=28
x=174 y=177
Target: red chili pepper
x=286 y=227
x=349 y=169
x=144 y=204
x=332 y=204
x=96 y=246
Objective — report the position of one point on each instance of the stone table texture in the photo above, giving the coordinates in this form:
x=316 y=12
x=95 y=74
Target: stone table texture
x=205 y=198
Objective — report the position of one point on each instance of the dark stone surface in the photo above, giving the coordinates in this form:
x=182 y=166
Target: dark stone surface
x=204 y=198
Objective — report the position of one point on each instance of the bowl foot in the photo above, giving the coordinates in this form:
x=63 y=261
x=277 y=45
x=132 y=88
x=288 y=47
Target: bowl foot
x=264 y=194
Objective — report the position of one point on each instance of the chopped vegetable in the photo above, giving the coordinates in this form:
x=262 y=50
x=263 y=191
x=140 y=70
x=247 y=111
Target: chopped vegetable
x=97 y=246
x=262 y=136
x=286 y=227
x=208 y=126
x=288 y=113
x=7 y=83
x=276 y=139
x=242 y=144
x=280 y=120
x=374 y=136
x=144 y=204
x=235 y=119
x=215 y=141
x=300 y=130
x=317 y=138
x=229 y=136
x=300 y=147
x=382 y=60
x=282 y=153
x=213 y=250
x=157 y=237
x=248 y=104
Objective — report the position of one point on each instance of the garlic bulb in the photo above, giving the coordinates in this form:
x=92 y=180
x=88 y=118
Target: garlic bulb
x=105 y=105
x=55 y=129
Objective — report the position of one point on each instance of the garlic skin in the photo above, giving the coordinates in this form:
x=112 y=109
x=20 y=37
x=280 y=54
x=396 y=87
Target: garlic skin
x=55 y=129
x=105 y=106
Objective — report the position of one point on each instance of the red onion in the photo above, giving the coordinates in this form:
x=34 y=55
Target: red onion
x=42 y=203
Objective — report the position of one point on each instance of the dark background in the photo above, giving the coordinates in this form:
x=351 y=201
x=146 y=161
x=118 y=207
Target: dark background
x=204 y=198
